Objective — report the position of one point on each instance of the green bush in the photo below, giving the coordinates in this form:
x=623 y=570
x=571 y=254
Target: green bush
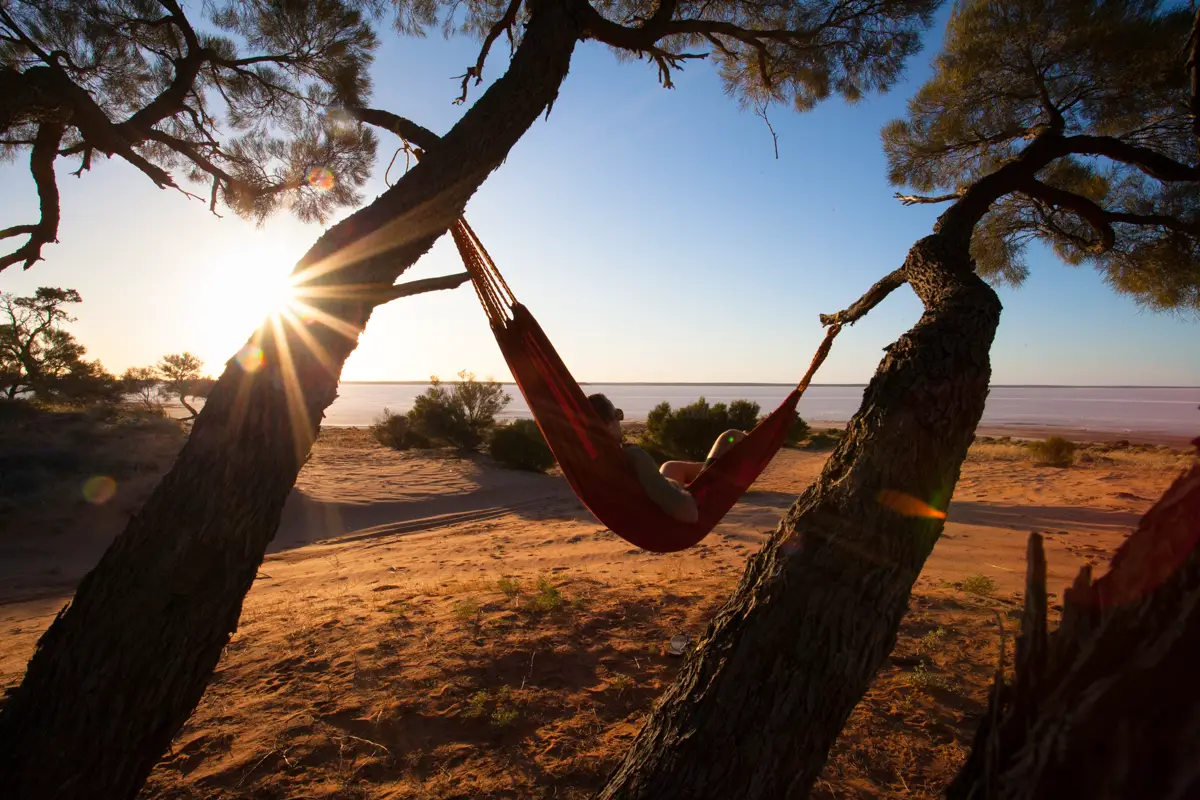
x=822 y=441
x=742 y=416
x=392 y=430
x=1055 y=452
x=460 y=416
x=689 y=432
x=798 y=432
x=521 y=445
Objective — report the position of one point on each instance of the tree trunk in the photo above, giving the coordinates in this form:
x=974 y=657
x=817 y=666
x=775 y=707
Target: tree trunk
x=1106 y=706
x=123 y=666
x=770 y=685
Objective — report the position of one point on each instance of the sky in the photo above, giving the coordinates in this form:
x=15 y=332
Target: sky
x=653 y=233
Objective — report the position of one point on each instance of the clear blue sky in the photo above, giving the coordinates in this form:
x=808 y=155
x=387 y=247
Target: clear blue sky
x=652 y=232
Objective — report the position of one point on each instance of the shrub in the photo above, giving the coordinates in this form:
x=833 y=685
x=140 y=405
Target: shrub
x=521 y=445
x=1055 y=452
x=548 y=598
x=392 y=430
x=743 y=416
x=461 y=416
x=689 y=432
x=798 y=432
x=981 y=585
x=822 y=441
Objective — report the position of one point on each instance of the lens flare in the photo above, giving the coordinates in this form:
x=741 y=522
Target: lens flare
x=250 y=358
x=340 y=122
x=99 y=489
x=908 y=505
x=320 y=178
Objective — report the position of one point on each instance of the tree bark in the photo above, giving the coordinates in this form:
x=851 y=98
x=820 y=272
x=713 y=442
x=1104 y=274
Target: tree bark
x=123 y=666
x=1104 y=707
x=761 y=700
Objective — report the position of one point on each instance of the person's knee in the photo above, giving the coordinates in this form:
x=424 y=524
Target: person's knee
x=674 y=470
x=733 y=436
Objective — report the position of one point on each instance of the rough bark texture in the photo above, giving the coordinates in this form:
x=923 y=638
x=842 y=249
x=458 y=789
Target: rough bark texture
x=761 y=700
x=123 y=666
x=1106 y=706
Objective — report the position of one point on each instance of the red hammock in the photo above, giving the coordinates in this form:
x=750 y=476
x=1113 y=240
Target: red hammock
x=595 y=465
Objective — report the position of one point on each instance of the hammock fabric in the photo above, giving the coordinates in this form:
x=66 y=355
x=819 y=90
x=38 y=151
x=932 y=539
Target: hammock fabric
x=595 y=465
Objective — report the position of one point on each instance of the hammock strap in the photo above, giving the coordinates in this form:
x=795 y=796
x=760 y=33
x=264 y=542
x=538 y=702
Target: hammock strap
x=494 y=294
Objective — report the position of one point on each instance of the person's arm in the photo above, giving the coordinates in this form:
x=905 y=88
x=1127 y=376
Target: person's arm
x=666 y=494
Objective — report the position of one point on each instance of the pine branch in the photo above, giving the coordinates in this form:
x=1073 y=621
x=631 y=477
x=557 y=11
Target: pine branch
x=404 y=128
x=41 y=165
x=505 y=23
x=1151 y=162
x=1101 y=219
x=424 y=285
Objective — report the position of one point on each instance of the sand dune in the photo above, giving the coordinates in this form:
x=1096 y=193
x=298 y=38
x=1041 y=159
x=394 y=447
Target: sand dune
x=379 y=624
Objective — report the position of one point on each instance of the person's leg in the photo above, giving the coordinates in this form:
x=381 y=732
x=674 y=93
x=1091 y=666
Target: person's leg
x=682 y=472
x=723 y=443
x=685 y=472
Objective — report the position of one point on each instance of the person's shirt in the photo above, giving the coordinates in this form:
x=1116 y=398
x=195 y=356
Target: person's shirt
x=666 y=493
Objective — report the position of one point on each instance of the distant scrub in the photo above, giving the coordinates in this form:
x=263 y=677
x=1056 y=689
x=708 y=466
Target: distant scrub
x=1055 y=452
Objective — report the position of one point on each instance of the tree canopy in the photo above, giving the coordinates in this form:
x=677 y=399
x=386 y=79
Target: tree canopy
x=262 y=102
x=1099 y=97
x=241 y=105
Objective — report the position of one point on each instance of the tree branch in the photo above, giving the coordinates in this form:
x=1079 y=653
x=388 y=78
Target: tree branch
x=643 y=39
x=1091 y=213
x=916 y=199
x=404 y=128
x=505 y=23
x=874 y=296
x=423 y=286
x=1151 y=162
x=41 y=165
x=761 y=111
x=1101 y=219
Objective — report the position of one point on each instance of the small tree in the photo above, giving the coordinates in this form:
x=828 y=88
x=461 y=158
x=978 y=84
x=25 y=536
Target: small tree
x=181 y=378
x=37 y=355
x=144 y=384
x=461 y=416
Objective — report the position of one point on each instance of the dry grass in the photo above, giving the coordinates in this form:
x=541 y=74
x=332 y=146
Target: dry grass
x=354 y=693
x=1153 y=457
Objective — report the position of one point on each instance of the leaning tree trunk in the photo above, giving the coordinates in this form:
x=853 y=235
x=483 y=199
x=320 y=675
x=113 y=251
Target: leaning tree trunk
x=123 y=666
x=1106 y=706
x=770 y=685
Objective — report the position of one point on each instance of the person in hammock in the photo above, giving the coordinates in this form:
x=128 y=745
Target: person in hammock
x=664 y=485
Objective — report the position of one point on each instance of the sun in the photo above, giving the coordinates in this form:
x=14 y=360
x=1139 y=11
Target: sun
x=236 y=292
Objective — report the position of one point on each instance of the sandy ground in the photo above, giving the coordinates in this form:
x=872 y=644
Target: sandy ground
x=431 y=626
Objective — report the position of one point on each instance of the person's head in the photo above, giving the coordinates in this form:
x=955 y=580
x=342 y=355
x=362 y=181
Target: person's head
x=608 y=413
